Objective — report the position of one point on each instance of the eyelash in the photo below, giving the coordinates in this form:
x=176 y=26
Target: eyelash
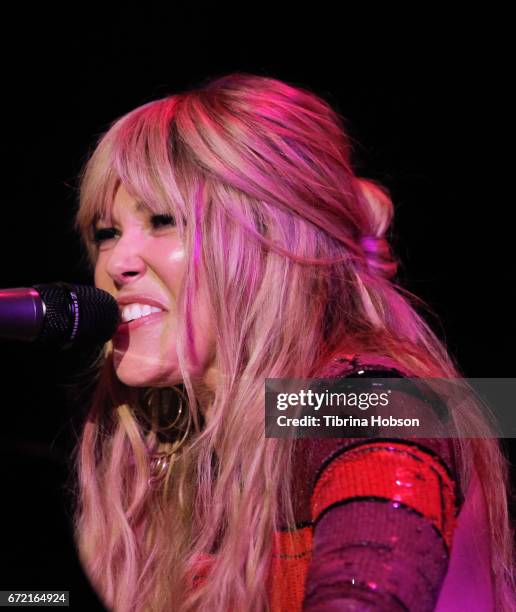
x=107 y=233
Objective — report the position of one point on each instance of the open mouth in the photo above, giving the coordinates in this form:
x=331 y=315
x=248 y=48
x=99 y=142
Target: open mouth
x=135 y=312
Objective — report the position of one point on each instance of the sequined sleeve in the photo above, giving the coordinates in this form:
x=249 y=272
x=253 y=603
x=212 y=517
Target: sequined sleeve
x=383 y=513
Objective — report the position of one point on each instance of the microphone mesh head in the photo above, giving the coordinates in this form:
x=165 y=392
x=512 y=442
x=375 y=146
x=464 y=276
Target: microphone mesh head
x=77 y=314
x=57 y=317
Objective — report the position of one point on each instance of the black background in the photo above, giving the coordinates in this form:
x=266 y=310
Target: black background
x=428 y=113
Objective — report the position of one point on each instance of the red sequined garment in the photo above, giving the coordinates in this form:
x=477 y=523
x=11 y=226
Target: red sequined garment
x=375 y=519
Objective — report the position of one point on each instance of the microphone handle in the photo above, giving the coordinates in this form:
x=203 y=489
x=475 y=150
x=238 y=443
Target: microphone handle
x=22 y=313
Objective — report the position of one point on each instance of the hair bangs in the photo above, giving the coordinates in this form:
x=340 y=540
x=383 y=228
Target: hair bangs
x=136 y=152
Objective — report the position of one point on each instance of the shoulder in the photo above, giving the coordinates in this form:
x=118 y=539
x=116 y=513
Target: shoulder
x=329 y=470
x=345 y=364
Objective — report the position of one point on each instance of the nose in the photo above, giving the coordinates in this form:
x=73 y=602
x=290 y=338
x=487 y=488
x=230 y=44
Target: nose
x=126 y=263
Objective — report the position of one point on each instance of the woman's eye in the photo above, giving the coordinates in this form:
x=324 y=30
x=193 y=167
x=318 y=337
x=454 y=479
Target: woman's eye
x=162 y=220
x=106 y=233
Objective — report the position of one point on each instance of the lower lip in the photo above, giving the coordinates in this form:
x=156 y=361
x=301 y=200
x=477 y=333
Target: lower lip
x=136 y=323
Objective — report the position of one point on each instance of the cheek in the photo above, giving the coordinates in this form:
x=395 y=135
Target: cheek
x=172 y=273
x=101 y=278
x=172 y=263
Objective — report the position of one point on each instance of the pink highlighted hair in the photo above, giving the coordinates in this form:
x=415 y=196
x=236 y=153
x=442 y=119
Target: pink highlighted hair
x=291 y=246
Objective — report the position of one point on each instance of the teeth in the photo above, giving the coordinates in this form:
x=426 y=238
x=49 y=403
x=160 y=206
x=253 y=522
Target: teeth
x=136 y=311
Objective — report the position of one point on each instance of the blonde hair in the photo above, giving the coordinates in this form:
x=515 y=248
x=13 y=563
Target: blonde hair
x=292 y=248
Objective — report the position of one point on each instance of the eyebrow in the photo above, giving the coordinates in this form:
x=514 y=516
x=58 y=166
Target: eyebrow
x=142 y=207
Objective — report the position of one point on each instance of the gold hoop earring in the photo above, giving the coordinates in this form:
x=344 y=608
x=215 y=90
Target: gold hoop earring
x=159 y=406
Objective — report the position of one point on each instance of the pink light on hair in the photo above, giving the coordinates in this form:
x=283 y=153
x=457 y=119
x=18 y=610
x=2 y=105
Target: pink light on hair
x=276 y=225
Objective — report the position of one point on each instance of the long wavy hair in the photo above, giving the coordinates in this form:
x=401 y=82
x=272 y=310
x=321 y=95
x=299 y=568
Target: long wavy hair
x=292 y=248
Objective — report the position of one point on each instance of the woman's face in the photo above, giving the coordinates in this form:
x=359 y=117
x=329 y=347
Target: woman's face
x=141 y=263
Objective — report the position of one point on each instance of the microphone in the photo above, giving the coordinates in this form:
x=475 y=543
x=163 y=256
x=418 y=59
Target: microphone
x=58 y=314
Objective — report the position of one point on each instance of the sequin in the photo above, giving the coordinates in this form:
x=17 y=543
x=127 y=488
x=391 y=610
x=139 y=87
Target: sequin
x=388 y=472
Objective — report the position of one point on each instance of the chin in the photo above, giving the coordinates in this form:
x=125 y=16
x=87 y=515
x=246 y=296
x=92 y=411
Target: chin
x=135 y=372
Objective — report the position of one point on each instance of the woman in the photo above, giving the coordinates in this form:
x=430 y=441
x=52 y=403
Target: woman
x=230 y=226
